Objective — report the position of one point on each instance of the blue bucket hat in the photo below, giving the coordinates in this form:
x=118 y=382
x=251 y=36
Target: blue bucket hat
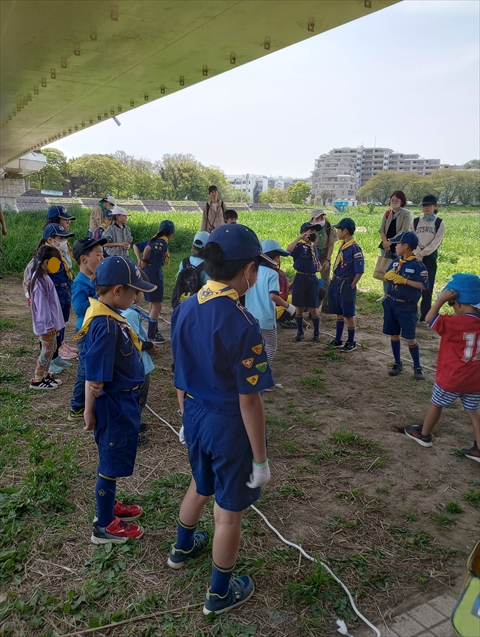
x=270 y=245
x=238 y=242
x=467 y=287
x=406 y=237
x=121 y=271
x=167 y=225
x=56 y=230
x=200 y=239
x=59 y=211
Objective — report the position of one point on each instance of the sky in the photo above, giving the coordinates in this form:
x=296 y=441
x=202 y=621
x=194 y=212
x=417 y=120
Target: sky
x=406 y=77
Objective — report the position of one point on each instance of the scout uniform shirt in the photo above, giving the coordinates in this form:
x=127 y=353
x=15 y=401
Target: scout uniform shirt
x=305 y=258
x=349 y=261
x=412 y=269
x=218 y=350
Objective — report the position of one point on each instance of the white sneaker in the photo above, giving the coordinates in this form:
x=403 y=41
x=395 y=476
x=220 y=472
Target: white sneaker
x=45 y=383
x=52 y=379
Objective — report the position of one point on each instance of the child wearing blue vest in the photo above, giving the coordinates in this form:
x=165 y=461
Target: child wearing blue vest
x=342 y=291
x=87 y=253
x=407 y=277
x=305 y=287
x=155 y=256
x=114 y=371
x=221 y=368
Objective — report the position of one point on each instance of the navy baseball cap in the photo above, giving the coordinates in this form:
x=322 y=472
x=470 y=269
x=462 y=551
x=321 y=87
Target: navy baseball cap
x=270 y=245
x=85 y=245
x=56 y=230
x=59 y=211
x=429 y=200
x=121 y=271
x=308 y=225
x=467 y=287
x=346 y=224
x=238 y=242
x=212 y=188
x=406 y=237
x=108 y=213
x=200 y=239
x=167 y=225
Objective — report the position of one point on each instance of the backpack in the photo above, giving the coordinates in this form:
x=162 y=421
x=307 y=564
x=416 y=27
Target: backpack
x=438 y=221
x=189 y=282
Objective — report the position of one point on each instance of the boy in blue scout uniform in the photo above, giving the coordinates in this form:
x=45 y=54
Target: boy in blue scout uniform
x=111 y=353
x=348 y=269
x=219 y=379
x=407 y=278
x=305 y=286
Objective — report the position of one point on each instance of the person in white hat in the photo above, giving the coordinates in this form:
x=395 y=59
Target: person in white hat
x=118 y=235
x=326 y=238
x=98 y=212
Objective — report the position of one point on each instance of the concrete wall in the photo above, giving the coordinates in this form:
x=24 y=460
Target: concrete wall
x=10 y=189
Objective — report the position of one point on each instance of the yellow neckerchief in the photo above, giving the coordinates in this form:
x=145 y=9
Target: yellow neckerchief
x=66 y=266
x=312 y=253
x=344 y=246
x=100 y=309
x=401 y=262
x=214 y=290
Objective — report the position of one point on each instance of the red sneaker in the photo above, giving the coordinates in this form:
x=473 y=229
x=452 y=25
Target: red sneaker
x=127 y=512
x=117 y=532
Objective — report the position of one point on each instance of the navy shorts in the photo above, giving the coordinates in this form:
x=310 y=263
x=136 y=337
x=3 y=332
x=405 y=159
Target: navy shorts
x=341 y=297
x=305 y=290
x=399 y=318
x=220 y=456
x=116 y=432
x=155 y=276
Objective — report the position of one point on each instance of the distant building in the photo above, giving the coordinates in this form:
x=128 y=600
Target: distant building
x=253 y=185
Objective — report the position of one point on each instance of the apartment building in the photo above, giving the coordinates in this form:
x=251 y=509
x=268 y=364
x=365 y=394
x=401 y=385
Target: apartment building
x=335 y=174
x=253 y=185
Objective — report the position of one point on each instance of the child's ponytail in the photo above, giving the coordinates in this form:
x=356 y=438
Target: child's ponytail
x=44 y=253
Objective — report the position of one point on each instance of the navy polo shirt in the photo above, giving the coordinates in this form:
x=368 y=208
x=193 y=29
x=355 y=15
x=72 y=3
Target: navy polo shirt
x=413 y=270
x=61 y=276
x=158 y=253
x=304 y=259
x=353 y=263
x=218 y=350
x=110 y=356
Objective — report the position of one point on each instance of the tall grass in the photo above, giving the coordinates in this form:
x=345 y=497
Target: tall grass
x=460 y=251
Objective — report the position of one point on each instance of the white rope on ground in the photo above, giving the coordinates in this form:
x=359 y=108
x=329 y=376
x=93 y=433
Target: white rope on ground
x=340 y=623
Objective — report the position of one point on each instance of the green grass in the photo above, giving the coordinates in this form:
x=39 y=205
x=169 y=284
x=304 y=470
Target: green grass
x=25 y=229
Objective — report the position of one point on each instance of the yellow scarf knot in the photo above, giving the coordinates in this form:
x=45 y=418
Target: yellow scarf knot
x=344 y=246
x=100 y=309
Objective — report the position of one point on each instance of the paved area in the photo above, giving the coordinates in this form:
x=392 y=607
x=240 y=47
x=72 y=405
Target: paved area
x=431 y=619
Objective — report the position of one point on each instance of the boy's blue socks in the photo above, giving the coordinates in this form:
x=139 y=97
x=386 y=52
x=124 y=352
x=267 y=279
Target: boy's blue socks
x=339 y=332
x=351 y=335
x=299 y=322
x=185 y=536
x=316 y=326
x=105 y=497
x=415 y=354
x=220 y=580
x=396 y=351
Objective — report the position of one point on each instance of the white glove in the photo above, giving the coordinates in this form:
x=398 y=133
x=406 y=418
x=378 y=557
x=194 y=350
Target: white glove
x=181 y=435
x=260 y=475
x=290 y=309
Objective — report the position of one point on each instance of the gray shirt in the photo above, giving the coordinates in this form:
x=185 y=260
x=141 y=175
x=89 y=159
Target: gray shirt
x=117 y=234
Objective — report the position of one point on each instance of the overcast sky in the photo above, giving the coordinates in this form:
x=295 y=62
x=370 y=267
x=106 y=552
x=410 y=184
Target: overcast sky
x=406 y=78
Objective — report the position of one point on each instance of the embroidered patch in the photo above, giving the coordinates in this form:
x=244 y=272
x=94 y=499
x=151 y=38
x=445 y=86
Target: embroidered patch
x=248 y=362
x=257 y=349
x=262 y=367
x=410 y=271
x=205 y=293
x=253 y=380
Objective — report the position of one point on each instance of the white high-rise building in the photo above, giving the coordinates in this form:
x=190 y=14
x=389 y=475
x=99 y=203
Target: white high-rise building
x=253 y=185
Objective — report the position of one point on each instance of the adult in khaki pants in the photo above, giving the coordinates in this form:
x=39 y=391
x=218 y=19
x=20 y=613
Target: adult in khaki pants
x=326 y=238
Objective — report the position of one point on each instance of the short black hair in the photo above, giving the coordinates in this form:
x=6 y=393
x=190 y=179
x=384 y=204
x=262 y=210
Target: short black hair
x=230 y=214
x=272 y=254
x=220 y=270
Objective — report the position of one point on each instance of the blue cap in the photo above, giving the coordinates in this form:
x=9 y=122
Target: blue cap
x=85 y=245
x=429 y=200
x=200 y=239
x=121 y=271
x=167 y=225
x=270 y=245
x=406 y=237
x=59 y=211
x=237 y=242
x=56 y=230
x=467 y=287
x=347 y=224
x=309 y=225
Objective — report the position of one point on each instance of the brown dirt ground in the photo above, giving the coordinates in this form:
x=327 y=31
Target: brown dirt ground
x=309 y=490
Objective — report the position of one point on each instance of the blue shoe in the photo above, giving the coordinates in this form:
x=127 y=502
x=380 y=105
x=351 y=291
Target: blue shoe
x=55 y=369
x=61 y=362
x=240 y=591
x=177 y=557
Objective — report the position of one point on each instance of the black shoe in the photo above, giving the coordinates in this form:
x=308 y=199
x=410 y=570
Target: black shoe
x=143 y=427
x=396 y=369
x=336 y=343
x=299 y=337
x=418 y=373
x=159 y=339
x=473 y=453
x=142 y=440
x=349 y=347
x=316 y=338
x=415 y=433
x=324 y=309
x=288 y=325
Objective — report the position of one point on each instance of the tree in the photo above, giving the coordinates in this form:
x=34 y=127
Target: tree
x=184 y=177
x=326 y=196
x=445 y=184
x=469 y=186
x=215 y=175
x=416 y=187
x=473 y=163
x=102 y=173
x=381 y=185
x=299 y=192
x=53 y=175
x=273 y=195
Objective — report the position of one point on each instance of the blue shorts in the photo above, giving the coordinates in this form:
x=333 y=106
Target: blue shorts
x=116 y=432
x=155 y=276
x=220 y=456
x=305 y=290
x=399 y=318
x=442 y=398
x=341 y=297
